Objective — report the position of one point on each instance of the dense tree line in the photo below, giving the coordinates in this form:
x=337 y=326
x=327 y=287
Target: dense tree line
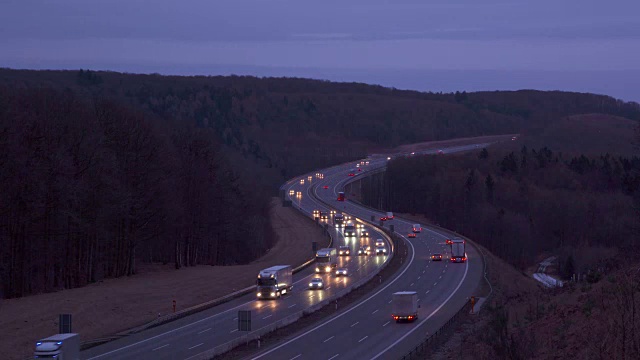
x=518 y=204
x=90 y=188
x=290 y=125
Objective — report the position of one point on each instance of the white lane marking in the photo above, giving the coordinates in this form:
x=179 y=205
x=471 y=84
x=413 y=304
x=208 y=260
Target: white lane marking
x=295 y=357
x=204 y=331
x=292 y=306
x=440 y=277
x=268 y=316
x=413 y=254
x=193 y=347
x=329 y=339
x=232 y=331
x=390 y=301
x=374 y=312
x=419 y=277
x=427 y=291
x=235 y=318
x=158 y=348
x=363 y=338
x=355 y=323
x=328 y=287
x=385 y=324
x=333 y=357
x=411 y=284
x=428 y=317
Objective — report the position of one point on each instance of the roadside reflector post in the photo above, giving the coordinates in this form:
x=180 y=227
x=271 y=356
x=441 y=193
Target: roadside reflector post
x=174 y=305
x=473 y=301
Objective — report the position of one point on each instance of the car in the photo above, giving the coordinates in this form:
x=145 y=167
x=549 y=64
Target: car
x=316 y=283
x=379 y=242
x=514 y=138
x=413 y=153
x=344 y=250
x=316 y=213
x=436 y=257
x=449 y=242
x=364 y=234
x=292 y=192
x=384 y=218
x=325 y=187
x=412 y=235
x=341 y=271
x=352 y=174
x=301 y=181
x=324 y=215
x=363 y=251
x=366 y=163
x=381 y=250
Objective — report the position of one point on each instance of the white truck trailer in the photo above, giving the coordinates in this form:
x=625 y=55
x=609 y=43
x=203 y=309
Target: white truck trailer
x=326 y=260
x=404 y=306
x=274 y=282
x=59 y=346
x=458 y=253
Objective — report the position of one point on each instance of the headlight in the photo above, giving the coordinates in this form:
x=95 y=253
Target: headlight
x=273 y=294
x=327 y=269
x=310 y=284
x=259 y=294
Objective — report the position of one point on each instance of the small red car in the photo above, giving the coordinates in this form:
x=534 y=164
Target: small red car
x=411 y=235
x=352 y=174
x=325 y=187
x=384 y=218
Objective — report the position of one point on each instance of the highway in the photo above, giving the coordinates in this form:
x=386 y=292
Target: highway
x=365 y=330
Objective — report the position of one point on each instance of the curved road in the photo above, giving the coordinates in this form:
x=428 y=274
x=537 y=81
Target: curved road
x=366 y=330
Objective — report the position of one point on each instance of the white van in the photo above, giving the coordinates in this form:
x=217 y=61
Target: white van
x=417 y=228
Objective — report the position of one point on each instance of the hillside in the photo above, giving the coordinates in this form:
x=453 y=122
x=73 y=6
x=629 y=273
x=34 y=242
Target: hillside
x=290 y=125
x=105 y=170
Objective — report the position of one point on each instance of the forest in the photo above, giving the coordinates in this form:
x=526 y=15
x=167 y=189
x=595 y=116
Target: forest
x=520 y=204
x=90 y=190
x=102 y=171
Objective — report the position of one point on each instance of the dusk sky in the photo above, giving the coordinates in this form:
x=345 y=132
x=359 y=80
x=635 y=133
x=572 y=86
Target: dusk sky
x=443 y=45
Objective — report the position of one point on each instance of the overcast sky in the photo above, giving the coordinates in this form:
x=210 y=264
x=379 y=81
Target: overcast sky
x=342 y=39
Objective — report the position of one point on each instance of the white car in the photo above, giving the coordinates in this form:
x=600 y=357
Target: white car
x=316 y=283
x=379 y=242
x=341 y=271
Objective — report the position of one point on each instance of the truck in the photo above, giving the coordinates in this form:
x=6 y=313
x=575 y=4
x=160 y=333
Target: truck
x=417 y=228
x=338 y=219
x=404 y=306
x=59 y=346
x=341 y=196
x=458 y=253
x=274 y=282
x=349 y=229
x=326 y=260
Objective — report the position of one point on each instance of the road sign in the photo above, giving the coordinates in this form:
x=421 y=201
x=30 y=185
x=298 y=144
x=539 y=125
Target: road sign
x=64 y=324
x=244 y=320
